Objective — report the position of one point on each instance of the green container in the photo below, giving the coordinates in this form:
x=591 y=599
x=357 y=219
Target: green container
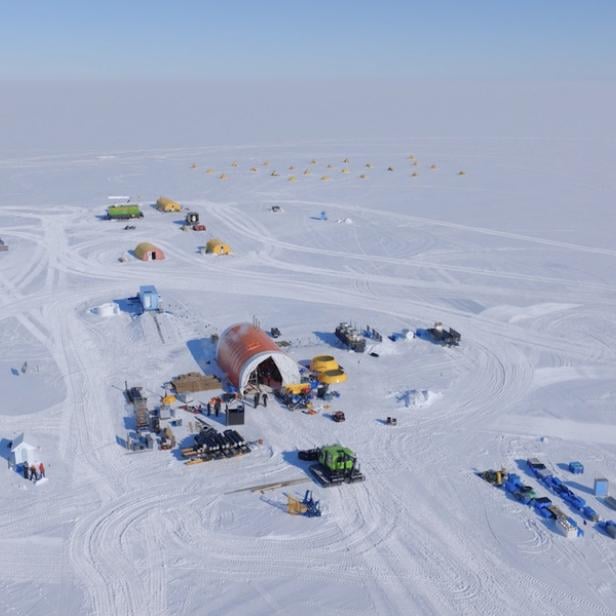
x=123 y=212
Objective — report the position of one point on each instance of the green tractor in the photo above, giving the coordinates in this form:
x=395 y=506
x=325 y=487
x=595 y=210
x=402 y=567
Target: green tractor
x=335 y=465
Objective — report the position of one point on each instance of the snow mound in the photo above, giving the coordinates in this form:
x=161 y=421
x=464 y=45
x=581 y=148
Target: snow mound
x=106 y=310
x=416 y=398
x=344 y=221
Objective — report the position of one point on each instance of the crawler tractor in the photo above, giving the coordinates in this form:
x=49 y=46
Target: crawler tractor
x=335 y=465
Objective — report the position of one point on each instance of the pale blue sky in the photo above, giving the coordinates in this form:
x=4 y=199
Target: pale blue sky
x=308 y=39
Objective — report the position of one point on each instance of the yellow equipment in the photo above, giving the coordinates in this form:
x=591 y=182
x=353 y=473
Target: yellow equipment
x=331 y=377
x=297 y=388
x=295 y=506
x=322 y=363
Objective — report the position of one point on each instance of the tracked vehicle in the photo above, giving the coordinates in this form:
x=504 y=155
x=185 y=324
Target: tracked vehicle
x=335 y=465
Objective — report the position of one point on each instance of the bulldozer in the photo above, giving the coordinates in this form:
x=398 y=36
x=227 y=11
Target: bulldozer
x=335 y=464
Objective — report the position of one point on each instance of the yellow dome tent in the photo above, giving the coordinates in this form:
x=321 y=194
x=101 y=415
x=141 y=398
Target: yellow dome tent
x=325 y=178
x=292 y=178
x=217 y=247
x=164 y=204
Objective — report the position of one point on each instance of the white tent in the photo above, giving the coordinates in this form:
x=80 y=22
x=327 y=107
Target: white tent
x=289 y=371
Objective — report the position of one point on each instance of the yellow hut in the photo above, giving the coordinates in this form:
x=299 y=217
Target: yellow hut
x=164 y=204
x=217 y=247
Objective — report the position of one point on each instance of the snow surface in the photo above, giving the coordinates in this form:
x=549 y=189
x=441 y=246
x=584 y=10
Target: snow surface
x=517 y=255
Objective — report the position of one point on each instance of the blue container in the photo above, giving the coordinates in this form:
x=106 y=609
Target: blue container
x=577 y=468
x=590 y=513
x=601 y=487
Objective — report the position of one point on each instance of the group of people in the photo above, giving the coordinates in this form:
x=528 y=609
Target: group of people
x=34 y=472
x=260 y=398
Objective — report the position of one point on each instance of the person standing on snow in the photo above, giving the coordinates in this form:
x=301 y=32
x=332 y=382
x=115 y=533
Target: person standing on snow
x=265 y=399
x=42 y=470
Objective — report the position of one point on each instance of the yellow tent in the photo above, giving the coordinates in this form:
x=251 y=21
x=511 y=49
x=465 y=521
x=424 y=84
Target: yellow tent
x=292 y=178
x=345 y=170
x=209 y=170
x=164 y=204
x=325 y=178
x=217 y=247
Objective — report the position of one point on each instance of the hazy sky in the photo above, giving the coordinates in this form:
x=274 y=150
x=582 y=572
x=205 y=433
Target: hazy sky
x=257 y=39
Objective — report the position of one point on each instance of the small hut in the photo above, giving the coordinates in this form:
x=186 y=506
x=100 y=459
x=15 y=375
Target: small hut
x=217 y=247
x=22 y=452
x=148 y=252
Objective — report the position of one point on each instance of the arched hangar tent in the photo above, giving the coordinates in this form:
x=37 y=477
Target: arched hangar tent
x=248 y=356
x=148 y=252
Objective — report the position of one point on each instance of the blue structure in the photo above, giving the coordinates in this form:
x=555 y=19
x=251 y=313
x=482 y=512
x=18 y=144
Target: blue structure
x=577 y=468
x=323 y=216
x=313 y=508
x=601 y=487
x=148 y=296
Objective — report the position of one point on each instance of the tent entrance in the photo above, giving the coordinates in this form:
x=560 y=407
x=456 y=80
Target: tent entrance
x=266 y=373
x=153 y=256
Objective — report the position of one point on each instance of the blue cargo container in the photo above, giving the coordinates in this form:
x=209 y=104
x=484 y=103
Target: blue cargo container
x=577 y=468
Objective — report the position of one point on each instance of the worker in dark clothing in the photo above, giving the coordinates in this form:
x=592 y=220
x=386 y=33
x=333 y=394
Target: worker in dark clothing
x=256 y=400
x=209 y=409
x=217 y=406
x=264 y=399
x=226 y=408
x=33 y=473
x=26 y=471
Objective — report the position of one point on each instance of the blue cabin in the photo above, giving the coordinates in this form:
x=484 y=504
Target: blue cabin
x=148 y=296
